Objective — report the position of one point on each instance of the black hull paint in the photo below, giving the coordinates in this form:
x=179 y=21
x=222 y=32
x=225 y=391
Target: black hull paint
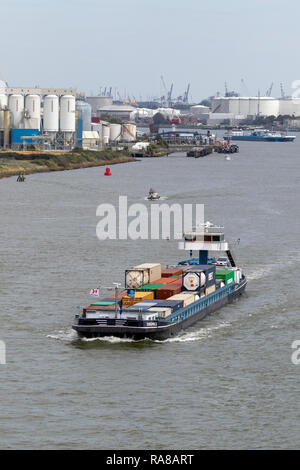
x=160 y=332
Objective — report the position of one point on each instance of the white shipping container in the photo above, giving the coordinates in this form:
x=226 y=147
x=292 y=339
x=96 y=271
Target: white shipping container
x=210 y=289
x=186 y=298
x=161 y=311
x=153 y=269
x=135 y=278
x=98 y=314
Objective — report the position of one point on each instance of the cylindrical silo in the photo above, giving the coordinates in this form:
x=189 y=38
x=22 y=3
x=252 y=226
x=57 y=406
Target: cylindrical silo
x=254 y=106
x=129 y=132
x=16 y=107
x=105 y=133
x=33 y=109
x=244 y=105
x=3 y=105
x=268 y=106
x=51 y=113
x=115 y=132
x=67 y=113
x=233 y=105
x=84 y=110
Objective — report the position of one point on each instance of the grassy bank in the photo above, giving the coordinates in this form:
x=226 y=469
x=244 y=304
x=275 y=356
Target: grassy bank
x=13 y=163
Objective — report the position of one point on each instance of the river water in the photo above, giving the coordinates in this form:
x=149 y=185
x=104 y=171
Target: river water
x=228 y=382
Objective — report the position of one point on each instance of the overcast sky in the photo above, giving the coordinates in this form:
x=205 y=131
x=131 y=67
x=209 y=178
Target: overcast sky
x=129 y=44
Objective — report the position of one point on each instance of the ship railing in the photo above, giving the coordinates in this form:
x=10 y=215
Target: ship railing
x=200 y=304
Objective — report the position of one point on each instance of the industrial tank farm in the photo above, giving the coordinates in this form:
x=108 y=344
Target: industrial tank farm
x=37 y=115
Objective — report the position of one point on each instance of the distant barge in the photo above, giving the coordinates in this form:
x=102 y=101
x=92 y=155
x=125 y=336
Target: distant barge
x=261 y=135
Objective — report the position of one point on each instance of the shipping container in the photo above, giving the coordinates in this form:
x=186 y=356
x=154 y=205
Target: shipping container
x=142 y=306
x=167 y=291
x=135 y=278
x=168 y=272
x=196 y=277
x=161 y=311
x=104 y=302
x=151 y=288
x=120 y=295
x=165 y=280
x=209 y=270
x=153 y=270
x=173 y=304
x=210 y=289
x=187 y=298
x=227 y=275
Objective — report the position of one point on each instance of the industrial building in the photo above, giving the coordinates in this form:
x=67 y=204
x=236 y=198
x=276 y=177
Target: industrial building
x=52 y=118
x=244 y=107
x=31 y=115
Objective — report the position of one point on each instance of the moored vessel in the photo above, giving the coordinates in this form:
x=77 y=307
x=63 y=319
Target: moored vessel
x=159 y=303
x=259 y=135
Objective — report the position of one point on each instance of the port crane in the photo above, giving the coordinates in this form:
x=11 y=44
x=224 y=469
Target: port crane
x=269 y=90
x=186 y=94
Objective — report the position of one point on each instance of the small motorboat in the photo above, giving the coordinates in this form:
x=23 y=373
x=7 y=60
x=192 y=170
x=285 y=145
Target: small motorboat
x=152 y=195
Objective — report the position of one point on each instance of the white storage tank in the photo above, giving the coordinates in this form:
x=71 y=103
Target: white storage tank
x=67 y=113
x=268 y=106
x=105 y=133
x=51 y=113
x=253 y=106
x=234 y=105
x=129 y=132
x=115 y=132
x=243 y=105
x=16 y=107
x=3 y=105
x=33 y=108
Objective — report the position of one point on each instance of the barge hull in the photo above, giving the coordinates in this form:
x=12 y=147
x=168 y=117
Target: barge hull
x=160 y=332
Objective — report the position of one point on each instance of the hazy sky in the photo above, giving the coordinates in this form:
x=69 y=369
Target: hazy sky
x=129 y=44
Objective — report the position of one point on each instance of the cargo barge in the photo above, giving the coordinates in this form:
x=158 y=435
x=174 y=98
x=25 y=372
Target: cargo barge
x=160 y=303
x=260 y=135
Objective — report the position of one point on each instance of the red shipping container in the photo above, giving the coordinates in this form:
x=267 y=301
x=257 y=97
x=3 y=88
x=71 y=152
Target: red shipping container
x=171 y=272
x=167 y=291
x=165 y=280
x=120 y=295
x=176 y=281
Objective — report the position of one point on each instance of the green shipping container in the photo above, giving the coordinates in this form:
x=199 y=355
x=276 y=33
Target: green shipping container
x=150 y=288
x=103 y=303
x=226 y=275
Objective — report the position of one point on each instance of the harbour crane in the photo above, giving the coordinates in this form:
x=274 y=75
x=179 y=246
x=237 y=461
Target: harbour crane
x=269 y=90
x=186 y=94
x=170 y=94
x=282 y=90
x=165 y=88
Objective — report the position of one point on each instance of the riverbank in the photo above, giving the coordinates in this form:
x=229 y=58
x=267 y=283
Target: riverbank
x=15 y=162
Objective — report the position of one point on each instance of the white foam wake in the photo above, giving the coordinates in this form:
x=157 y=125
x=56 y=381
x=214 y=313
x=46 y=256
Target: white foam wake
x=202 y=333
x=67 y=335
x=109 y=339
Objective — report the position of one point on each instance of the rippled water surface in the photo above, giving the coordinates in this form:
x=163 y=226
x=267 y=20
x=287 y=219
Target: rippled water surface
x=226 y=383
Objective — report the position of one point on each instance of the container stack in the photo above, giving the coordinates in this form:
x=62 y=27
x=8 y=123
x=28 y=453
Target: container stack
x=157 y=293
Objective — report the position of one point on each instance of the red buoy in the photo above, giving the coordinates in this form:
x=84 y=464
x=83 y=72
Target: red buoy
x=107 y=172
